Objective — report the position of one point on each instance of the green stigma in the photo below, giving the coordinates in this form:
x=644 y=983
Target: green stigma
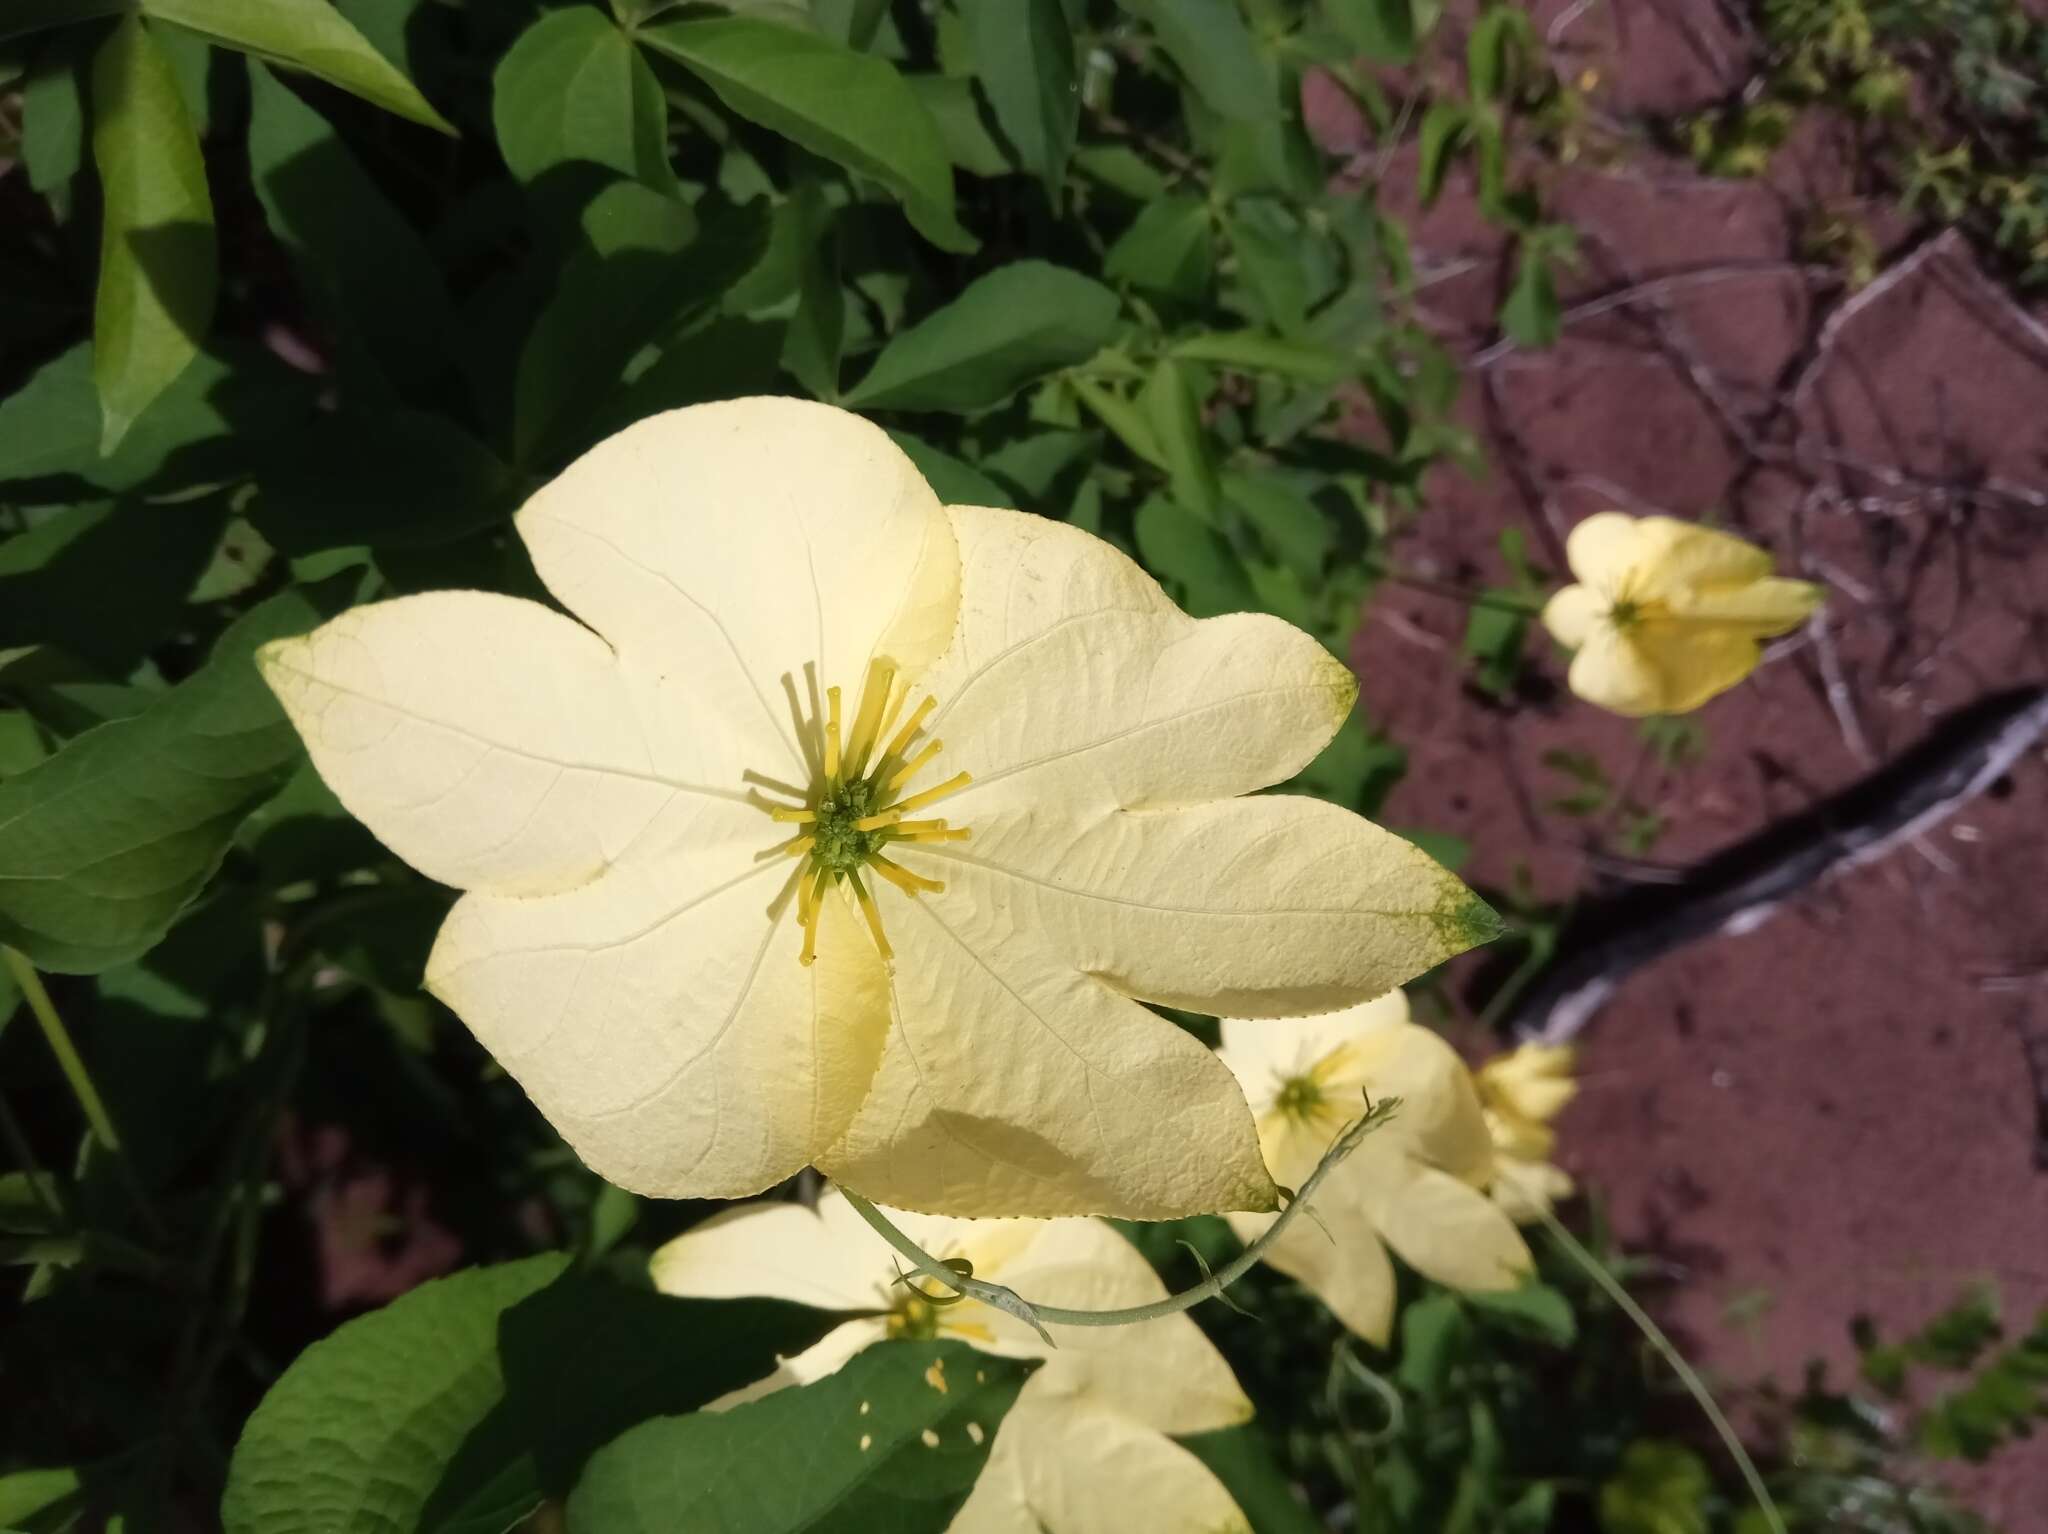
x=841 y=845
x=1625 y=613
x=913 y=1319
x=1299 y=1097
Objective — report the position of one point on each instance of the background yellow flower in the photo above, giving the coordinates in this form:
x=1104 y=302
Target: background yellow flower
x=1414 y=1184
x=1666 y=614
x=1085 y=1449
x=1522 y=1091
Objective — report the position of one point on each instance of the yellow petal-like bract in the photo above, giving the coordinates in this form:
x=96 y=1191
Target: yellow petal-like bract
x=837 y=826
x=1085 y=1449
x=1667 y=614
x=1414 y=1184
x=1522 y=1091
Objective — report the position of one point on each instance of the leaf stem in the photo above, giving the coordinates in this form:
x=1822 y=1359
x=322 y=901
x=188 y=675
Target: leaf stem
x=1037 y=1316
x=1654 y=1334
x=76 y=1076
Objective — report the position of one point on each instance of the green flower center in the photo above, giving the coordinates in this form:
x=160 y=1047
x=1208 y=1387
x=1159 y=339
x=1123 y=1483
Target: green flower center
x=857 y=805
x=912 y=1319
x=1299 y=1097
x=1625 y=613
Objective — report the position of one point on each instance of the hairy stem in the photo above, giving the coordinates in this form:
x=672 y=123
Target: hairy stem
x=1037 y=1316
x=1687 y=1375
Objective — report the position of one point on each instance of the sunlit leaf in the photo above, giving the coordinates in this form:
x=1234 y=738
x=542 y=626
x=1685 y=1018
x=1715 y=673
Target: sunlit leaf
x=158 y=269
x=574 y=88
x=851 y=108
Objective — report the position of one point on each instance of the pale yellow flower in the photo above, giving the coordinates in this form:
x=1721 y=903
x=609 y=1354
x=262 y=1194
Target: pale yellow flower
x=1667 y=614
x=1085 y=1449
x=709 y=924
x=1414 y=1184
x=1522 y=1091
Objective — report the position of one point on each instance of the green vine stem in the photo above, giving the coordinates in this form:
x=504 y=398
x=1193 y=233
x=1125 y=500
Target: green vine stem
x=1011 y=1303
x=90 y=1103
x=1654 y=1334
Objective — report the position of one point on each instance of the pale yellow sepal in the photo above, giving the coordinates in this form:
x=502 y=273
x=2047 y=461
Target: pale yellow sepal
x=1667 y=614
x=1086 y=1439
x=1416 y=1184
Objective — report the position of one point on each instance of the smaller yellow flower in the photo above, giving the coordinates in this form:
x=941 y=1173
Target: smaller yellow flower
x=1522 y=1091
x=1086 y=1447
x=1667 y=614
x=1414 y=1184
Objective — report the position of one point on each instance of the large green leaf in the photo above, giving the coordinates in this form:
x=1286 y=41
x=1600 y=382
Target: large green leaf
x=158 y=263
x=1169 y=249
x=1024 y=53
x=354 y=1436
x=392 y=479
x=656 y=266
x=574 y=88
x=304 y=34
x=105 y=843
x=53 y=116
x=852 y=108
x=1006 y=330
x=197 y=429
x=953 y=480
x=103 y=582
x=586 y=1359
x=366 y=263
x=19 y=16
x=876 y=1446
x=1192 y=559
x=1210 y=43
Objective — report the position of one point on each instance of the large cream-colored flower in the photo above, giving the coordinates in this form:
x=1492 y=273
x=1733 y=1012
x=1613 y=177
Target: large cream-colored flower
x=723 y=917
x=1522 y=1091
x=1413 y=1184
x=1667 y=614
x=1084 y=1450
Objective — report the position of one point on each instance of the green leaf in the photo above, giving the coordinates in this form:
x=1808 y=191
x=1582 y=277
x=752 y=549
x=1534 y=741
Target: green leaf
x=880 y=1449
x=369 y=267
x=817 y=330
x=1254 y=352
x=22 y=16
x=103 y=582
x=196 y=431
x=587 y=1358
x=1210 y=44
x=850 y=108
x=1530 y=314
x=1383 y=30
x=1168 y=250
x=654 y=271
x=105 y=843
x=1661 y=1488
x=1435 y=1335
x=1175 y=416
x=1006 y=330
x=1192 y=559
x=959 y=113
x=1288 y=522
x=1024 y=52
x=26 y=1493
x=53 y=117
x=400 y=478
x=953 y=481
x=1243 y=1461
x=158 y=263
x=1270 y=250
x=1536 y=1310
x=1444 y=126
x=725 y=359
x=304 y=34
x=1495 y=43
x=574 y=88
x=353 y=1437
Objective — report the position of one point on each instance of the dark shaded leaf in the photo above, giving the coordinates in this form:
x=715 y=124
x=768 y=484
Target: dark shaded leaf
x=1024 y=53
x=384 y=478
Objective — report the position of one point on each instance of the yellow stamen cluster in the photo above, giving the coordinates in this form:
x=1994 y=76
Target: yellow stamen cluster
x=851 y=812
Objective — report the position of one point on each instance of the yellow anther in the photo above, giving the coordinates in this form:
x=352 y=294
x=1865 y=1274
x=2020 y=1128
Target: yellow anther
x=952 y=785
x=934 y=832
x=879 y=819
x=912 y=767
x=832 y=735
x=797 y=846
x=874 y=916
x=906 y=827
x=810 y=894
x=789 y=816
x=903 y=878
x=917 y=717
x=867 y=720
x=899 y=694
